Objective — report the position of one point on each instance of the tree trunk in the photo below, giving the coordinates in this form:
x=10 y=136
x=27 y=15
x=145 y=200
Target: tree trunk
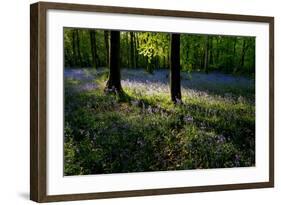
x=136 y=50
x=167 y=61
x=175 y=68
x=157 y=62
x=113 y=83
x=242 y=55
x=211 y=55
x=206 y=55
x=106 y=47
x=217 y=51
x=132 y=51
x=127 y=49
x=234 y=54
x=148 y=63
x=94 y=49
x=74 y=48
x=164 y=62
x=78 y=48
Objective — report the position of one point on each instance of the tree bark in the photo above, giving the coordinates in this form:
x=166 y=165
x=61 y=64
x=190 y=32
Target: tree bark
x=127 y=49
x=211 y=54
x=114 y=82
x=175 y=68
x=136 y=50
x=206 y=54
x=78 y=47
x=217 y=50
x=94 y=49
x=132 y=51
x=164 y=62
x=234 y=56
x=74 y=48
x=242 y=55
x=106 y=47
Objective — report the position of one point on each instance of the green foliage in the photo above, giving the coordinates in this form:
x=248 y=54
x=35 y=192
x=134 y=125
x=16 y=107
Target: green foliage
x=150 y=50
x=153 y=45
x=72 y=48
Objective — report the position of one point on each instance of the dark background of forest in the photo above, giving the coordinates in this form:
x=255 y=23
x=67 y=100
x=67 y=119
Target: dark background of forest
x=149 y=50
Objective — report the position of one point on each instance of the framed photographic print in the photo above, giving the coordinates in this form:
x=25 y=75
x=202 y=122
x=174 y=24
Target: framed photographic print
x=134 y=102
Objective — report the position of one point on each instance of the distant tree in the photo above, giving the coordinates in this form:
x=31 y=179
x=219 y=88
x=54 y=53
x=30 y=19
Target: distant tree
x=132 y=51
x=127 y=49
x=234 y=56
x=243 y=52
x=211 y=51
x=206 y=54
x=78 y=47
x=94 y=48
x=73 y=40
x=106 y=47
x=175 y=68
x=114 y=82
x=136 y=46
x=234 y=52
x=218 y=49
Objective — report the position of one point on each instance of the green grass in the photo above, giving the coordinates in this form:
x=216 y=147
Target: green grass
x=136 y=132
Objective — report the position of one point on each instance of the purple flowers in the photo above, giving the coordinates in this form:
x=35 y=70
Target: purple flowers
x=237 y=160
x=135 y=102
x=158 y=82
x=220 y=139
x=188 y=119
x=111 y=90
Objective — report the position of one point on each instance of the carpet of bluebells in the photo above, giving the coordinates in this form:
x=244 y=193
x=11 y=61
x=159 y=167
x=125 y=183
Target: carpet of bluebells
x=142 y=130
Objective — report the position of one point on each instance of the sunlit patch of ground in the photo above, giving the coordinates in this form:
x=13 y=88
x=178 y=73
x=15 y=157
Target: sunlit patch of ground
x=143 y=130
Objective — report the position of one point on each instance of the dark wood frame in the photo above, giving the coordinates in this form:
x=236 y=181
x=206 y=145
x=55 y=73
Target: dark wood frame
x=38 y=101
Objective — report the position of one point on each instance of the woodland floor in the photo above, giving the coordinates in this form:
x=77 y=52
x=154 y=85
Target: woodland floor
x=142 y=130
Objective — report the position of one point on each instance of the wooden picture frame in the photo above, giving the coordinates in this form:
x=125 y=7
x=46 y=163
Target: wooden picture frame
x=38 y=101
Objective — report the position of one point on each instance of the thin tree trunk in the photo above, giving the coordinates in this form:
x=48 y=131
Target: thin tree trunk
x=156 y=62
x=128 y=49
x=136 y=50
x=206 y=54
x=74 y=48
x=175 y=68
x=132 y=51
x=78 y=48
x=148 y=63
x=106 y=47
x=114 y=83
x=211 y=54
x=218 y=50
x=187 y=52
x=168 y=59
x=164 y=62
x=242 y=55
x=94 y=49
x=187 y=45
x=234 y=56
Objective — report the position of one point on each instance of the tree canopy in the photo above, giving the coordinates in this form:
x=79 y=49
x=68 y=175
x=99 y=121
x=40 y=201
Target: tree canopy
x=150 y=50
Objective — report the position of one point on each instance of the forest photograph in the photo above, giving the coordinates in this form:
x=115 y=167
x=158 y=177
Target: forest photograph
x=141 y=101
